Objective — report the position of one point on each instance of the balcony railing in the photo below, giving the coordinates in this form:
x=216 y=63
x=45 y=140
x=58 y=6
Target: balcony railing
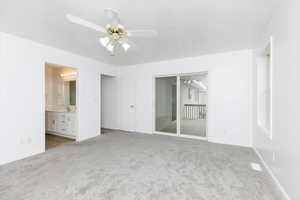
x=194 y=111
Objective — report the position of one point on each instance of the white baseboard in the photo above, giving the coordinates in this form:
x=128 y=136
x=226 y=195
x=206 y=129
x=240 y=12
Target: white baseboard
x=4 y=162
x=282 y=190
x=138 y=132
x=111 y=128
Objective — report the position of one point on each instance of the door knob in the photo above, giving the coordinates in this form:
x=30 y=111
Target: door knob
x=131 y=106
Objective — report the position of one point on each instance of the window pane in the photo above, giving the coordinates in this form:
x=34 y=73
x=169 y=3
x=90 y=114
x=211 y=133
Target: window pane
x=166 y=104
x=193 y=105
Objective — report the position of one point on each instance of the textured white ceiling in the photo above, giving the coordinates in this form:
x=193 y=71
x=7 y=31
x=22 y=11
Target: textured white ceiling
x=186 y=28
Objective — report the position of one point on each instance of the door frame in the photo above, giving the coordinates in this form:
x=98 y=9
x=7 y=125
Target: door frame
x=78 y=106
x=178 y=132
x=101 y=75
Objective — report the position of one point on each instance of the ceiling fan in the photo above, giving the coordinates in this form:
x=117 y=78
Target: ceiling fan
x=115 y=32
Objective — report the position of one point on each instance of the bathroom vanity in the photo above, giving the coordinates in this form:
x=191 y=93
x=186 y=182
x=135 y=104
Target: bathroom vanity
x=61 y=123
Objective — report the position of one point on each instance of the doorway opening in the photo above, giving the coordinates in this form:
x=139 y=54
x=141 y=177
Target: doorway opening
x=182 y=97
x=109 y=100
x=60 y=105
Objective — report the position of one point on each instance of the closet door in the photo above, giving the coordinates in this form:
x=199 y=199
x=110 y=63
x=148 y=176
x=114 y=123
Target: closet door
x=128 y=106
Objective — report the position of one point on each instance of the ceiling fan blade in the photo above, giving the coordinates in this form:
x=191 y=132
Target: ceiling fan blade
x=82 y=22
x=113 y=16
x=142 y=33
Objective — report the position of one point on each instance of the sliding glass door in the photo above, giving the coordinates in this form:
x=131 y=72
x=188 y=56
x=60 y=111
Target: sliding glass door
x=166 y=104
x=193 y=102
x=181 y=105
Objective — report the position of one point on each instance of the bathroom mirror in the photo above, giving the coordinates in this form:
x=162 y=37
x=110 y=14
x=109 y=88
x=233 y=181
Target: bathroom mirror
x=72 y=87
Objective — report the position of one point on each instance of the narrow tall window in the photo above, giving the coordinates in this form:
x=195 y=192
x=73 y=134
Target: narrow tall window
x=264 y=84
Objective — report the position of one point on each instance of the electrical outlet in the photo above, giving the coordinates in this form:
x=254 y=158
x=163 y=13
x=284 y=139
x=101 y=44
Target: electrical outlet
x=22 y=141
x=29 y=140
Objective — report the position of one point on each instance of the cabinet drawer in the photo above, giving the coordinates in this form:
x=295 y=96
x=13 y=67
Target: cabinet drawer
x=63 y=130
x=62 y=117
x=63 y=123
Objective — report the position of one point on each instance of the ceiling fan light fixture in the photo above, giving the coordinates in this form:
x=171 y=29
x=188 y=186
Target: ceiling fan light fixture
x=120 y=26
x=110 y=47
x=125 y=46
x=115 y=32
x=104 y=41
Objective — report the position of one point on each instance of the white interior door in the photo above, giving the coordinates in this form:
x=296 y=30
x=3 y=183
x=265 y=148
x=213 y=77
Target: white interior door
x=128 y=105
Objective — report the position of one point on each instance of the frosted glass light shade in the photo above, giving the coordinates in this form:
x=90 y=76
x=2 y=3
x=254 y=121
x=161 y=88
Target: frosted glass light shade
x=110 y=47
x=104 y=41
x=125 y=46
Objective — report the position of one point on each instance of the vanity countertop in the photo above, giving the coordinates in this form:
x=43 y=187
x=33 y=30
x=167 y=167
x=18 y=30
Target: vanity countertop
x=61 y=111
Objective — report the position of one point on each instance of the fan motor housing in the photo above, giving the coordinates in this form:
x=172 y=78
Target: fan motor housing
x=116 y=33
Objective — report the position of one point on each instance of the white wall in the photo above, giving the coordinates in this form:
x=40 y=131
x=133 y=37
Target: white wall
x=229 y=97
x=285 y=143
x=109 y=102
x=22 y=95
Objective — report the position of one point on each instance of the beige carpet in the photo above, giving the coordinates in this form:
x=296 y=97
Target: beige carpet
x=188 y=127
x=137 y=167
